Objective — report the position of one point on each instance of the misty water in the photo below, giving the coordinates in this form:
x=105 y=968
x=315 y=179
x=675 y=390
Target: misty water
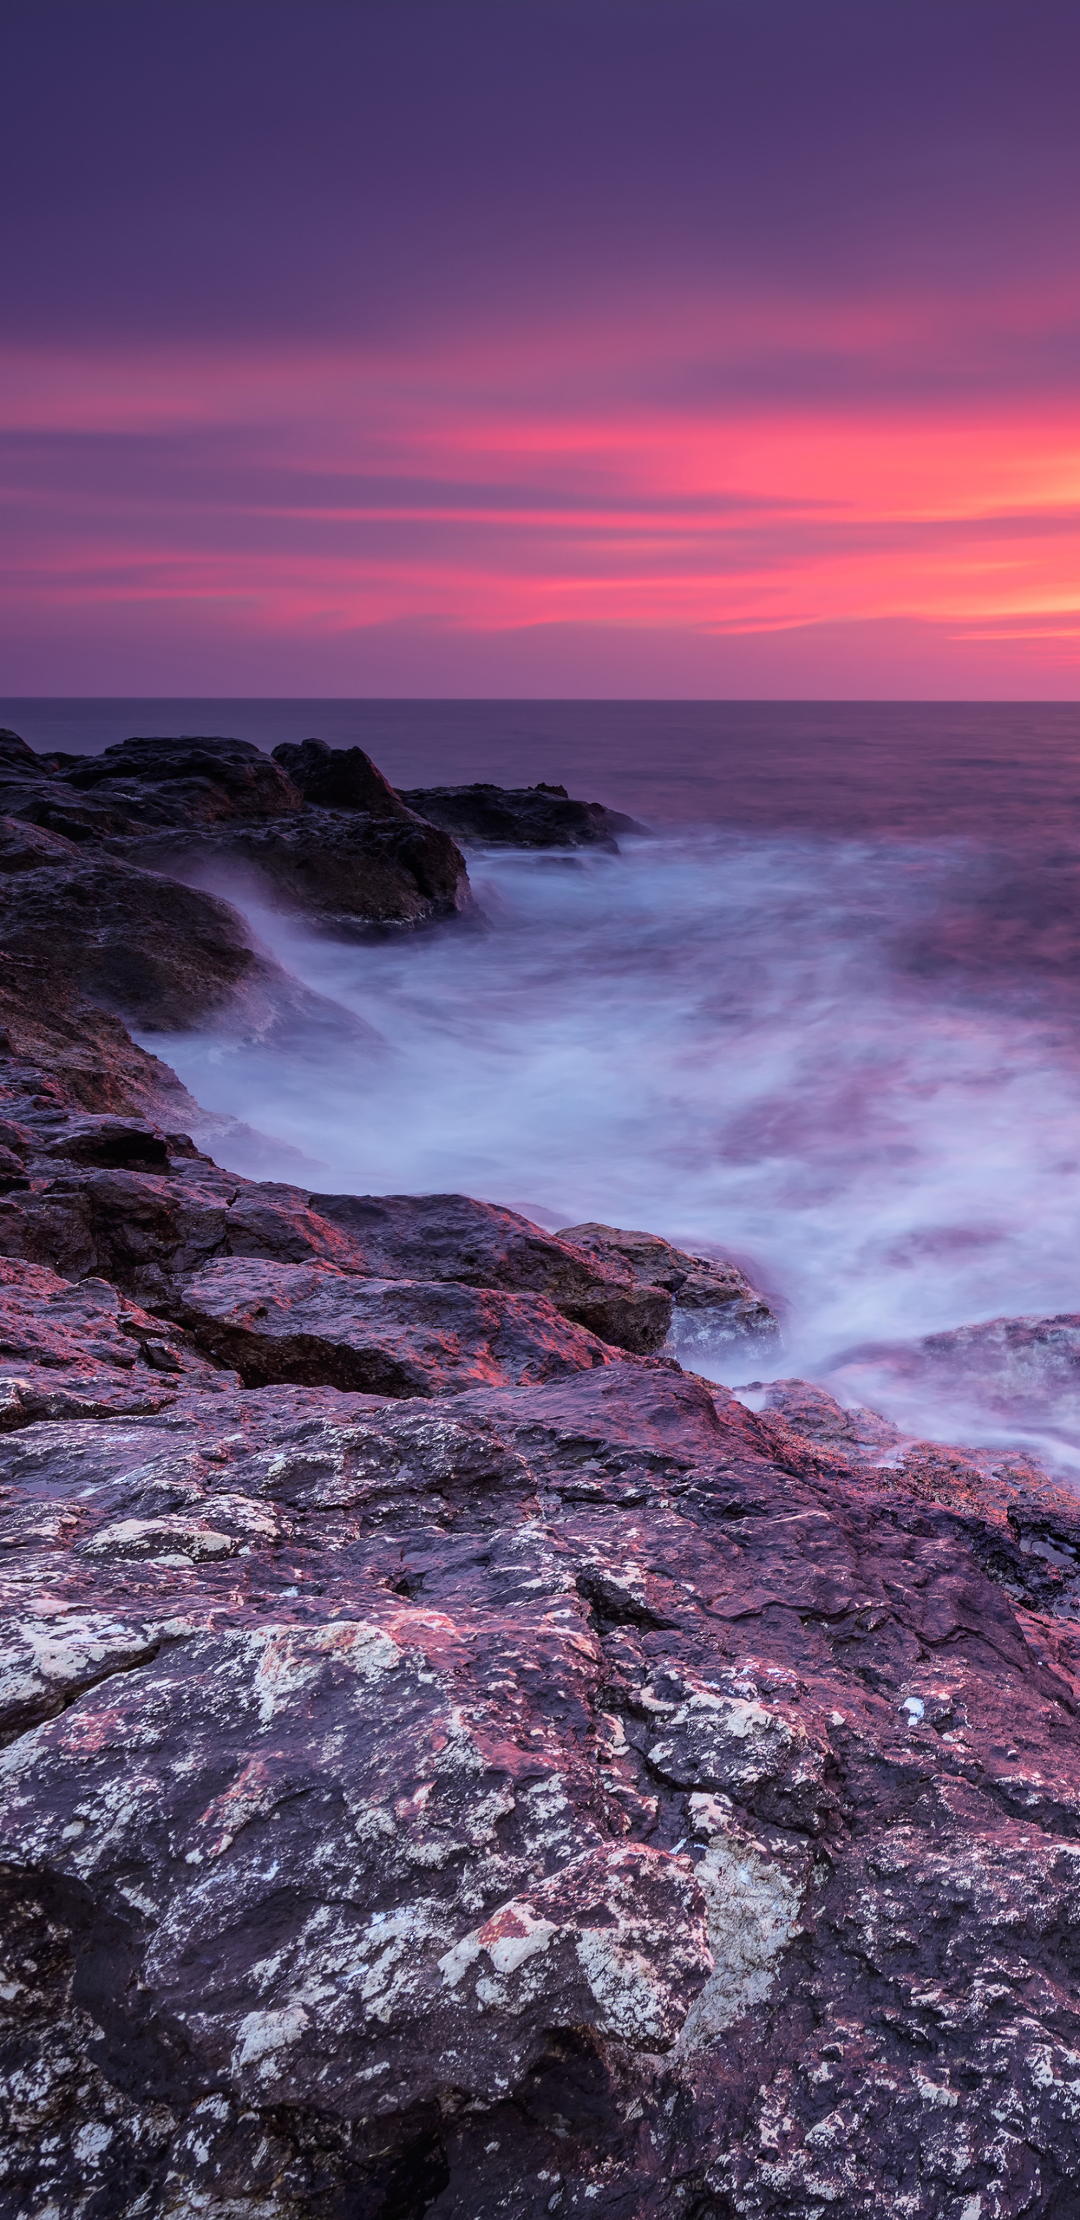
x=826 y=1020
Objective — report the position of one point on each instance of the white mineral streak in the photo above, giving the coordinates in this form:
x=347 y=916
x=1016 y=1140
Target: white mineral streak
x=628 y=1986
x=753 y=1914
x=291 y=1660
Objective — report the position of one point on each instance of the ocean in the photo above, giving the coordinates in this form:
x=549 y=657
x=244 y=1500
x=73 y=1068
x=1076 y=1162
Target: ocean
x=824 y=1020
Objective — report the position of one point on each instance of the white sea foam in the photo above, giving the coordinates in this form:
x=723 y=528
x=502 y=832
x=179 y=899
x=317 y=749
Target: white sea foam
x=715 y=1037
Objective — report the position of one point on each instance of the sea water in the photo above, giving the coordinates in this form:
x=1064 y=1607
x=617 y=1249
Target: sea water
x=824 y=1020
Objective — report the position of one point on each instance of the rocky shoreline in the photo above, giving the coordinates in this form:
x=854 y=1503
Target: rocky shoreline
x=457 y=1760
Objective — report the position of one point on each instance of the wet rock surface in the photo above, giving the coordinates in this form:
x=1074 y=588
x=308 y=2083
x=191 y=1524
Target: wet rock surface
x=453 y=1760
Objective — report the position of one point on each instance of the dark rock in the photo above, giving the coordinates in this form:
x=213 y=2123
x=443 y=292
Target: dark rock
x=84 y=1352
x=200 y=809
x=713 y=1302
x=349 y=871
x=318 y=1326
x=519 y=817
x=339 y=778
x=145 y=1229
x=16 y=752
x=60 y=1053
x=452 y=1237
x=186 y=781
x=162 y=955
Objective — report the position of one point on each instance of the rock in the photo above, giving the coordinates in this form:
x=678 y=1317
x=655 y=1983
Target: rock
x=452 y=1237
x=520 y=817
x=340 y=778
x=162 y=955
x=812 y=1412
x=316 y=1325
x=200 y=810
x=347 y=870
x=186 y=781
x=506 y=1775
x=711 y=1302
x=84 y=1351
x=145 y=1229
x=15 y=753
x=362 y=1751
x=58 y=1052
x=1024 y=1371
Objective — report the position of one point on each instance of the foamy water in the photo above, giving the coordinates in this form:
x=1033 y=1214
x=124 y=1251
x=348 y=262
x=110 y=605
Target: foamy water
x=827 y=1023
x=731 y=1040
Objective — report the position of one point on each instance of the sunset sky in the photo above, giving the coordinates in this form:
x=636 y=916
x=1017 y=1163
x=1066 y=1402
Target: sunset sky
x=564 y=347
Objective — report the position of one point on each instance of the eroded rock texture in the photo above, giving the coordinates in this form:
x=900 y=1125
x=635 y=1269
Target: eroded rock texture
x=453 y=1761
x=563 y=1793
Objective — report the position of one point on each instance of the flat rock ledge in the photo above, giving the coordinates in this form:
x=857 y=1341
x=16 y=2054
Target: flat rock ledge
x=455 y=1761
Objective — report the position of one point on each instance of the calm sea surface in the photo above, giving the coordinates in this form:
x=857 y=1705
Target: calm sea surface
x=826 y=1020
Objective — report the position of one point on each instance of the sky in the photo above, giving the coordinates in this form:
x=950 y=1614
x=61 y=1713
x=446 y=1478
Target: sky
x=540 y=347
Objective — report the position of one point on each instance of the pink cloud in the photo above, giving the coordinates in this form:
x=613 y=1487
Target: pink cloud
x=766 y=488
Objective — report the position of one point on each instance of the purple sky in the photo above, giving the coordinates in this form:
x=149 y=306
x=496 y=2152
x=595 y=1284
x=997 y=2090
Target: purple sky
x=541 y=346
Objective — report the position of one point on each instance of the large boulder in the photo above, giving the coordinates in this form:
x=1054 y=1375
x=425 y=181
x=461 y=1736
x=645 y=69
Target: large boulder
x=319 y=1326
x=162 y=956
x=520 y=816
x=346 y=871
x=453 y=1237
x=568 y=1791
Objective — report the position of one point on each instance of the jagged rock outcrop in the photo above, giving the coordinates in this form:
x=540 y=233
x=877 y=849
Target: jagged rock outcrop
x=454 y=1765
x=712 y=1302
x=348 y=874
x=340 y=778
x=147 y=1210
x=520 y=816
x=453 y=1237
x=440 y=1808
x=212 y=809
